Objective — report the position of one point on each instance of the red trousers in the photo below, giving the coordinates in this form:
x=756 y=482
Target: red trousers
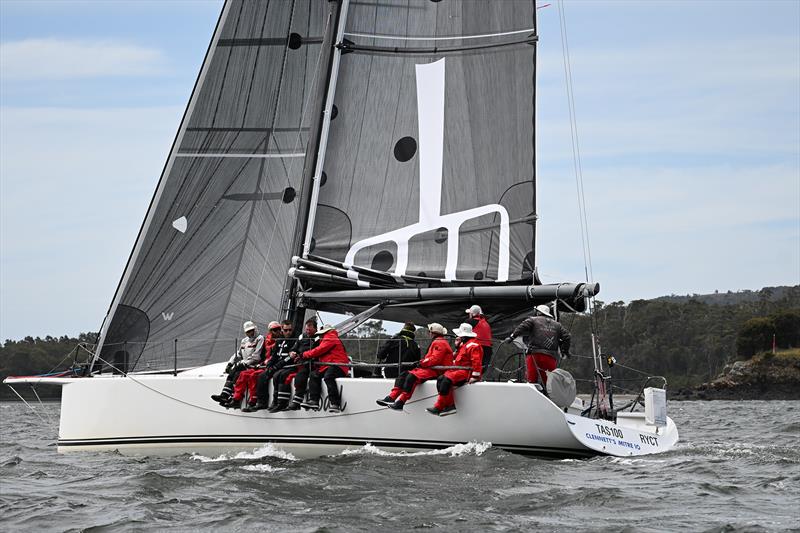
x=446 y=397
x=421 y=375
x=543 y=362
x=247 y=380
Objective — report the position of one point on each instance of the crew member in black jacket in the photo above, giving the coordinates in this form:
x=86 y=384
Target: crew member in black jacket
x=282 y=382
x=400 y=348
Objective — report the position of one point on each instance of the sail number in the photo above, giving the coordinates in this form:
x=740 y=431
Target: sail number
x=611 y=432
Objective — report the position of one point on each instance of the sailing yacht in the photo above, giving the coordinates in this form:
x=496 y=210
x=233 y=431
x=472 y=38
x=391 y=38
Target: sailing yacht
x=372 y=158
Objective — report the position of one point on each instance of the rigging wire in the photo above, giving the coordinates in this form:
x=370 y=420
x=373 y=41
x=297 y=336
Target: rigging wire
x=576 y=154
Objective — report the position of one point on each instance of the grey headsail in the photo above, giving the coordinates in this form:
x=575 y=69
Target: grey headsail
x=214 y=248
x=429 y=174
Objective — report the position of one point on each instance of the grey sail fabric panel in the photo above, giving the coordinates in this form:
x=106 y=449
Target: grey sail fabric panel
x=215 y=247
x=400 y=195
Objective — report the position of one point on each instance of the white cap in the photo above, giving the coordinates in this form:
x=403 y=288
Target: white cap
x=464 y=330
x=274 y=324
x=544 y=309
x=324 y=329
x=475 y=310
x=437 y=328
x=248 y=326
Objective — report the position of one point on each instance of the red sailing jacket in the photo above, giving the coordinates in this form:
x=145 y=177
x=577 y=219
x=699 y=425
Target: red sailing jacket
x=269 y=342
x=439 y=354
x=329 y=350
x=470 y=354
x=482 y=328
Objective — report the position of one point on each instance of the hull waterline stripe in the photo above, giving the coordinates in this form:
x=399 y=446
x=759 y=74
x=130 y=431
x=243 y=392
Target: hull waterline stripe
x=397 y=443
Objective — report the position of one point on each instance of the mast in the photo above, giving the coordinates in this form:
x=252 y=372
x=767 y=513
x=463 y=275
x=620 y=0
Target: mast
x=312 y=171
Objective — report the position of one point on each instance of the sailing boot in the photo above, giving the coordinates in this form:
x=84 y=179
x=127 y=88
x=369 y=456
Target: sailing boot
x=277 y=406
x=221 y=398
x=310 y=404
x=449 y=410
x=385 y=402
x=335 y=408
x=397 y=405
x=297 y=401
x=434 y=411
x=251 y=407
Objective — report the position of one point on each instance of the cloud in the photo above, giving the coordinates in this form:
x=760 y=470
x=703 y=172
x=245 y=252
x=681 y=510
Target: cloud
x=56 y=59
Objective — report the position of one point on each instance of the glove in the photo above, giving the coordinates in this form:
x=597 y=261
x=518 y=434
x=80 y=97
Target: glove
x=508 y=340
x=229 y=368
x=565 y=355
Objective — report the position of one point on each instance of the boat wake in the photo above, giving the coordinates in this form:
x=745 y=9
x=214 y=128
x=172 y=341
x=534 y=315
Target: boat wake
x=458 y=450
x=267 y=450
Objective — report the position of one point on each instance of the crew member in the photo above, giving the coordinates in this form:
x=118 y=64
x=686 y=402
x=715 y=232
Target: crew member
x=481 y=328
x=401 y=348
x=282 y=382
x=273 y=334
x=250 y=353
x=545 y=338
x=439 y=354
x=258 y=382
x=247 y=377
x=330 y=351
x=469 y=353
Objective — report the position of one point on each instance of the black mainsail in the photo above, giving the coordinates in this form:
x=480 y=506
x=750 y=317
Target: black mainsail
x=335 y=156
x=430 y=167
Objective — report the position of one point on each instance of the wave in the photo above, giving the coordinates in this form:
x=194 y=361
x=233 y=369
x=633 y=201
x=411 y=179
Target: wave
x=267 y=450
x=262 y=468
x=458 y=450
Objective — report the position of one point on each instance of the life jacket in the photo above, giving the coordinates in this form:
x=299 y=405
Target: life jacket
x=329 y=350
x=482 y=328
x=470 y=354
x=439 y=354
x=269 y=342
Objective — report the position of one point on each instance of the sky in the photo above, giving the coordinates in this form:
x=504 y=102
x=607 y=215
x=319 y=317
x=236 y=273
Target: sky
x=688 y=115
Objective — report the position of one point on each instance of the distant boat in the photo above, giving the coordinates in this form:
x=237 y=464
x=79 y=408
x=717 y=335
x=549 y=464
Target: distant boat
x=375 y=158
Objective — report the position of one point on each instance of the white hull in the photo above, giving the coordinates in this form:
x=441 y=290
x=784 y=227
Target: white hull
x=168 y=415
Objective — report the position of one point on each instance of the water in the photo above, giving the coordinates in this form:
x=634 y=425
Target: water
x=737 y=468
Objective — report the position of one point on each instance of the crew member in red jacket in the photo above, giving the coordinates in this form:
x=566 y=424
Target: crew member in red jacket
x=273 y=335
x=439 y=354
x=469 y=353
x=330 y=350
x=483 y=331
